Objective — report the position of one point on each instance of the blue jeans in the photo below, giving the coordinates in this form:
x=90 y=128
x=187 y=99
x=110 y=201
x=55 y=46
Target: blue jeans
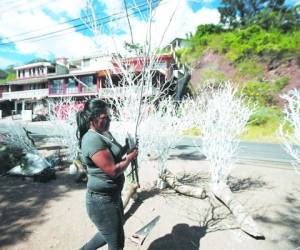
x=106 y=212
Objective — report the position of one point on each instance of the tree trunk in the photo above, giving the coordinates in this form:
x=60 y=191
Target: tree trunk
x=171 y=179
x=131 y=190
x=244 y=219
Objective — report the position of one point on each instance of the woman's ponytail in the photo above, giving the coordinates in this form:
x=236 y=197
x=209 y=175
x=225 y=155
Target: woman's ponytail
x=82 y=125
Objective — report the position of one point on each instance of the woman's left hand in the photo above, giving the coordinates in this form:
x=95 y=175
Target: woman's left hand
x=132 y=155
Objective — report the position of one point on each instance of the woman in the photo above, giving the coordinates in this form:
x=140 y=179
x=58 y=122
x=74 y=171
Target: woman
x=105 y=163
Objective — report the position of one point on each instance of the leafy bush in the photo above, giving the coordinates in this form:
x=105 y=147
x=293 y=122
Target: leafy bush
x=241 y=44
x=10 y=76
x=263 y=115
x=280 y=83
x=258 y=92
x=251 y=69
x=212 y=73
x=204 y=29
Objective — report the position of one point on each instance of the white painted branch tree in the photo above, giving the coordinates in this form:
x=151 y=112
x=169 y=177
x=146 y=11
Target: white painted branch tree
x=135 y=94
x=62 y=116
x=222 y=118
x=161 y=132
x=15 y=136
x=291 y=142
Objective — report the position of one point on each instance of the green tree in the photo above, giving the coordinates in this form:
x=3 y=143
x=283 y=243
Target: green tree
x=203 y=29
x=236 y=13
x=285 y=19
x=3 y=74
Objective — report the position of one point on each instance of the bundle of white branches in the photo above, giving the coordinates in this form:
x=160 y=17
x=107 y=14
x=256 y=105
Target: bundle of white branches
x=161 y=131
x=16 y=137
x=135 y=95
x=291 y=142
x=188 y=111
x=222 y=118
x=132 y=109
x=63 y=120
x=134 y=99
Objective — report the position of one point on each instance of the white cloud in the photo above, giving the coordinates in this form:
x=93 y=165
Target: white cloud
x=184 y=20
x=71 y=7
x=71 y=44
x=75 y=44
x=113 y=6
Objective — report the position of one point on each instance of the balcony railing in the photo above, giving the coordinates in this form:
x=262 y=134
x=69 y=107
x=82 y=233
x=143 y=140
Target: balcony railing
x=126 y=91
x=24 y=94
x=105 y=92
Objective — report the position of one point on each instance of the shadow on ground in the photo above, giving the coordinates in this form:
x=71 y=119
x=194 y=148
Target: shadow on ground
x=192 y=156
x=186 y=152
x=22 y=202
x=287 y=218
x=236 y=184
x=182 y=236
x=142 y=196
x=246 y=184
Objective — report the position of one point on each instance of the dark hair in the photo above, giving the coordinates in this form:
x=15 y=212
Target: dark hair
x=92 y=109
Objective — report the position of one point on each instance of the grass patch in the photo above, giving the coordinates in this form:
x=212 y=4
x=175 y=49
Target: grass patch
x=192 y=132
x=251 y=68
x=263 y=114
x=280 y=83
x=212 y=73
x=266 y=132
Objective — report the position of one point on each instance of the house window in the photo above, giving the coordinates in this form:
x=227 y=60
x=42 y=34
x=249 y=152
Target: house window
x=56 y=86
x=88 y=83
x=86 y=62
x=71 y=85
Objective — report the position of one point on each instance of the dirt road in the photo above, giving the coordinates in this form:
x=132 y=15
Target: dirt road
x=37 y=216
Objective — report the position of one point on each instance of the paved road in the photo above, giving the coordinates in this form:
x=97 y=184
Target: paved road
x=250 y=152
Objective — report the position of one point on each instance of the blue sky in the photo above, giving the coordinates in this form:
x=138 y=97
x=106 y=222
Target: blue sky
x=48 y=21
x=21 y=20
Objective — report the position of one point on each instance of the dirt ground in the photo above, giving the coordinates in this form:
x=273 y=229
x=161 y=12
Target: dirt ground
x=37 y=216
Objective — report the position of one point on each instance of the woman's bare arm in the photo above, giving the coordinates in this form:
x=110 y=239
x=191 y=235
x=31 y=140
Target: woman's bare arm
x=104 y=160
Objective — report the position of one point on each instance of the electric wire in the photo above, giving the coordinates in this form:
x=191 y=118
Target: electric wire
x=50 y=34
x=61 y=23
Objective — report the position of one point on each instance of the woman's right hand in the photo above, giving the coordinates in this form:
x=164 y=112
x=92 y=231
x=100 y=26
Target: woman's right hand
x=132 y=155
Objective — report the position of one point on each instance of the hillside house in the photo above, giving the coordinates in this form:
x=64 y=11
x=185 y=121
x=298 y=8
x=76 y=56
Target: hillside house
x=87 y=76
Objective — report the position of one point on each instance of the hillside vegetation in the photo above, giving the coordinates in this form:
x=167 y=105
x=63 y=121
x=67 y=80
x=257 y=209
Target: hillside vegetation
x=261 y=54
x=242 y=46
x=7 y=75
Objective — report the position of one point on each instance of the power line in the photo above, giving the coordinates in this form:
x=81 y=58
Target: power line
x=59 y=24
x=54 y=34
x=98 y=21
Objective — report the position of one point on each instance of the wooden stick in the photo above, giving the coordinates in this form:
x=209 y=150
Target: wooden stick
x=171 y=179
x=244 y=219
x=131 y=190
